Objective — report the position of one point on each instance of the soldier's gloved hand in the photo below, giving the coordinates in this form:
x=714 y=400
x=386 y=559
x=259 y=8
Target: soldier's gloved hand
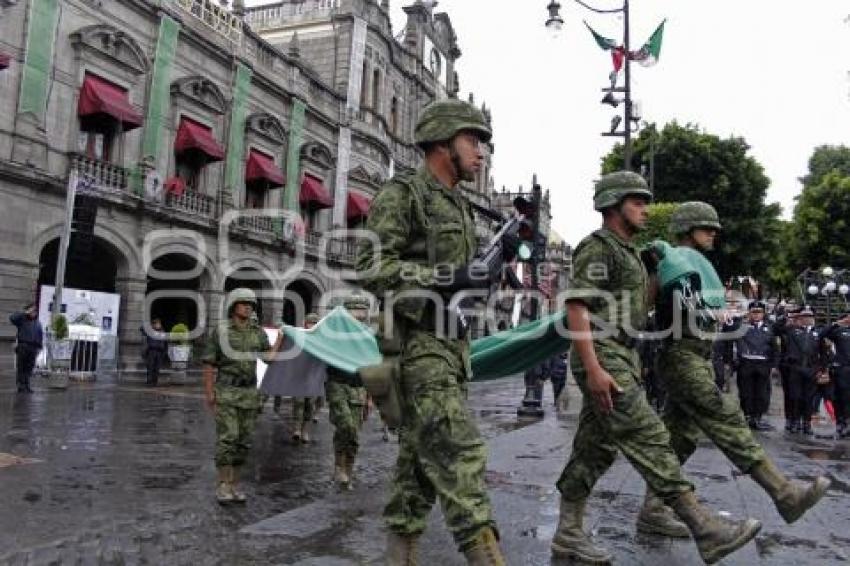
x=473 y=275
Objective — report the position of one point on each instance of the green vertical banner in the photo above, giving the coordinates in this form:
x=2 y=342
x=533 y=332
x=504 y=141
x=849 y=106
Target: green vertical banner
x=293 y=161
x=38 y=62
x=234 y=168
x=160 y=93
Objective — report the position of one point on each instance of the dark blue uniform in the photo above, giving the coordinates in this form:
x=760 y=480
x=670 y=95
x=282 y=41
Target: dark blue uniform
x=802 y=356
x=30 y=338
x=756 y=355
x=839 y=335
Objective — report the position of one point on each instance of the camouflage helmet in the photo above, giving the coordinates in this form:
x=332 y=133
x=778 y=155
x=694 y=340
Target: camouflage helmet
x=612 y=188
x=311 y=318
x=693 y=214
x=243 y=295
x=442 y=120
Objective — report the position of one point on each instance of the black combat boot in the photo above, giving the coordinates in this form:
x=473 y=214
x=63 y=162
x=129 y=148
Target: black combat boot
x=807 y=428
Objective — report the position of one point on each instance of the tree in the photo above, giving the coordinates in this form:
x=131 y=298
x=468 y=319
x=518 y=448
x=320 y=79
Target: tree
x=821 y=220
x=824 y=160
x=658 y=224
x=690 y=164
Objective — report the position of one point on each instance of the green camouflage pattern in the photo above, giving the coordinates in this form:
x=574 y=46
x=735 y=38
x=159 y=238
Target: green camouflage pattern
x=695 y=406
x=243 y=295
x=235 y=417
x=611 y=189
x=605 y=263
x=251 y=340
x=303 y=409
x=442 y=120
x=441 y=453
x=345 y=407
x=419 y=224
x=693 y=214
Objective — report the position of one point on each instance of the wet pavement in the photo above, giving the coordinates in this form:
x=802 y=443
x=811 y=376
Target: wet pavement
x=118 y=473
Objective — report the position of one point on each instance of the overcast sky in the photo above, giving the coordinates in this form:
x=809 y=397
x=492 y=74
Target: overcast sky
x=775 y=73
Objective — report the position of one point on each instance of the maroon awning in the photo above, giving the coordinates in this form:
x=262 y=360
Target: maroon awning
x=357 y=206
x=195 y=137
x=314 y=194
x=261 y=167
x=99 y=97
x=4 y=61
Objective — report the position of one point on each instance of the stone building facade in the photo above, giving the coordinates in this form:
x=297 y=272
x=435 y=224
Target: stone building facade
x=213 y=147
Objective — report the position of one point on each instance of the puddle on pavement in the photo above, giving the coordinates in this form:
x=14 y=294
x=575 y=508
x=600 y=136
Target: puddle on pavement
x=836 y=454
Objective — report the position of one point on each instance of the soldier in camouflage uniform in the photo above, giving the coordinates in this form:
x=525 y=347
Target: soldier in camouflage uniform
x=608 y=304
x=695 y=404
x=231 y=392
x=427 y=242
x=346 y=397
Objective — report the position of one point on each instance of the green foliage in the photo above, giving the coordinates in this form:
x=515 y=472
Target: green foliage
x=59 y=326
x=782 y=272
x=690 y=164
x=824 y=160
x=179 y=334
x=821 y=221
x=658 y=224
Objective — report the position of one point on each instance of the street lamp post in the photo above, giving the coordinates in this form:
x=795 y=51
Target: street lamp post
x=555 y=23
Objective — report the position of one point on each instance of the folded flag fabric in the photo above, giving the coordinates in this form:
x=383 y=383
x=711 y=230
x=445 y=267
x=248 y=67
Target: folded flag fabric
x=341 y=341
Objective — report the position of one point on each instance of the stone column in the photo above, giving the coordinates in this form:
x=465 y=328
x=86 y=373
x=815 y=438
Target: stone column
x=131 y=317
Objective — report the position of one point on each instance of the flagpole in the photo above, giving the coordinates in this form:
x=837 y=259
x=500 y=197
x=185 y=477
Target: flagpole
x=627 y=143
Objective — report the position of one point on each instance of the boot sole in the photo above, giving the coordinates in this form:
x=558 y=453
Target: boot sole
x=819 y=489
x=651 y=529
x=571 y=554
x=753 y=528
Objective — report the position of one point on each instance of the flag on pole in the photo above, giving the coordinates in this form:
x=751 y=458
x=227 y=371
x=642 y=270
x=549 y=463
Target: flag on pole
x=648 y=54
x=603 y=42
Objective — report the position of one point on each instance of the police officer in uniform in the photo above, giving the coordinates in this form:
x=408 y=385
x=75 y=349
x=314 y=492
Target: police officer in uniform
x=804 y=360
x=29 y=341
x=839 y=334
x=427 y=239
x=756 y=358
x=230 y=387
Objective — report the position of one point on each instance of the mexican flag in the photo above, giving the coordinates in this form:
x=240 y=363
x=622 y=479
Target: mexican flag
x=603 y=42
x=648 y=54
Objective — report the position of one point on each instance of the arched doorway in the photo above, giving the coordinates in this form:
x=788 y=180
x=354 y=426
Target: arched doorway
x=251 y=278
x=95 y=271
x=298 y=293
x=180 y=295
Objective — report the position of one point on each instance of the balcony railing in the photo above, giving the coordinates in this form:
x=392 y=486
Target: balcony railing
x=215 y=17
x=193 y=203
x=101 y=175
x=259 y=224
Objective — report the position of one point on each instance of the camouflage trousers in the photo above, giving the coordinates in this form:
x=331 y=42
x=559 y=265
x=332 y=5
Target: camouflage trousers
x=303 y=409
x=695 y=405
x=235 y=416
x=345 y=405
x=441 y=454
x=632 y=428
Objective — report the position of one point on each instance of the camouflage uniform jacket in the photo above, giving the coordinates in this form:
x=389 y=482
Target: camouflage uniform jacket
x=608 y=269
x=240 y=370
x=420 y=224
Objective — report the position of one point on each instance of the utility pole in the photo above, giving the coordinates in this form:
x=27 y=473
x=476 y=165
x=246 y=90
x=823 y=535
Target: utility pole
x=64 y=242
x=627 y=118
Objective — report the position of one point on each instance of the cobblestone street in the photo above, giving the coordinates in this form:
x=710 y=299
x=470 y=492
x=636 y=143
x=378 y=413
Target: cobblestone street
x=109 y=473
